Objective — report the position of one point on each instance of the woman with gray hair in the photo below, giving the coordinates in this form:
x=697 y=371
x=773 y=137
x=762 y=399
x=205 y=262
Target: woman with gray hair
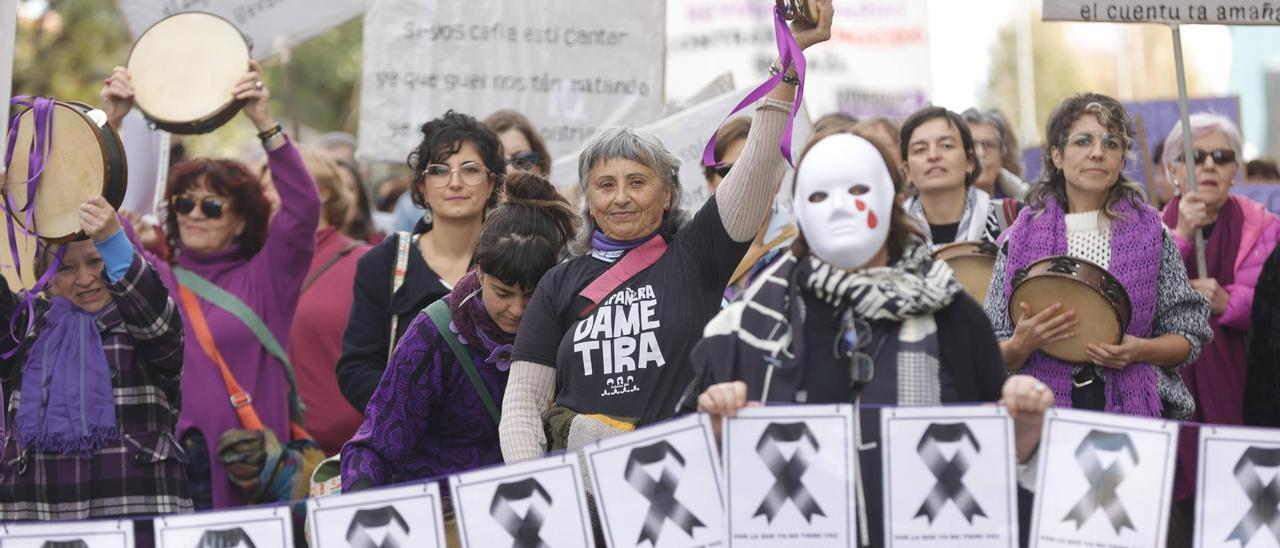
x=608 y=333
x=1001 y=174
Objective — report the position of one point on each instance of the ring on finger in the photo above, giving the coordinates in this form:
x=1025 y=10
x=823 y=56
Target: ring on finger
x=258 y=84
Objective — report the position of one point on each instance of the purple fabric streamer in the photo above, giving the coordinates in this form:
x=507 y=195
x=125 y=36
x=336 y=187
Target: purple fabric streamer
x=37 y=157
x=789 y=53
x=67 y=406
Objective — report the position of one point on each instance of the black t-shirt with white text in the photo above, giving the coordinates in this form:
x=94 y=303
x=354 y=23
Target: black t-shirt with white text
x=630 y=356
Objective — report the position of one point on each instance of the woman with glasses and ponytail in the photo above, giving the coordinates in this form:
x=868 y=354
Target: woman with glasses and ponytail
x=857 y=312
x=457 y=176
x=225 y=241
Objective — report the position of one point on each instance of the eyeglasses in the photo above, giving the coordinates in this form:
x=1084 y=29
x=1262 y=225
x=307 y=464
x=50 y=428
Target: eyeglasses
x=1220 y=156
x=525 y=160
x=439 y=175
x=1086 y=139
x=987 y=144
x=211 y=206
x=722 y=169
x=851 y=341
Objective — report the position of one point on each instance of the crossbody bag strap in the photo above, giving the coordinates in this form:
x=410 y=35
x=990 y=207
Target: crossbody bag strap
x=240 y=400
x=403 y=239
x=631 y=264
x=220 y=298
x=329 y=264
x=440 y=315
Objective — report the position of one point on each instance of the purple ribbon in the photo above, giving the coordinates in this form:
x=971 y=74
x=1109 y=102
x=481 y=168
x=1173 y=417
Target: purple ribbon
x=37 y=157
x=789 y=53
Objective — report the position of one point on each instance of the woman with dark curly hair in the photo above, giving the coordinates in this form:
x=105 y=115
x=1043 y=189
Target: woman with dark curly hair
x=457 y=175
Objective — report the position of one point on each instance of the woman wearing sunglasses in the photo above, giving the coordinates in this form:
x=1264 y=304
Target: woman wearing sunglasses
x=857 y=311
x=457 y=174
x=220 y=229
x=1239 y=236
x=522 y=145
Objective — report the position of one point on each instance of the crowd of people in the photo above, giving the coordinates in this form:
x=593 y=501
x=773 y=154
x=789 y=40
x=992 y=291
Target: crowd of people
x=274 y=317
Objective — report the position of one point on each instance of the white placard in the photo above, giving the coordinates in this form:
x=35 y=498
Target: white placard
x=147 y=150
x=949 y=477
x=268 y=527
x=271 y=25
x=875 y=64
x=1238 y=487
x=659 y=486
x=407 y=516
x=94 y=534
x=536 y=503
x=1105 y=480
x=789 y=471
x=1218 y=12
x=570 y=69
x=8 y=34
x=686 y=134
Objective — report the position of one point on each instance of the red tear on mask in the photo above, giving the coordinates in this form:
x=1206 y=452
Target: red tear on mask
x=858 y=203
x=871 y=220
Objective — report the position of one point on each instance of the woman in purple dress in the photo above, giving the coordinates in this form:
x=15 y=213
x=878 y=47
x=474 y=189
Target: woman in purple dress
x=427 y=417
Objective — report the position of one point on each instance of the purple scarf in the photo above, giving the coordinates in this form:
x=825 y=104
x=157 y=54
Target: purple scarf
x=472 y=324
x=67 y=405
x=1136 y=244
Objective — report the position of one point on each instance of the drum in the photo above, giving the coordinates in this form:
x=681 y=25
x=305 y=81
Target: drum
x=972 y=263
x=184 y=68
x=804 y=10
x=1101 y=304
x=85 y=159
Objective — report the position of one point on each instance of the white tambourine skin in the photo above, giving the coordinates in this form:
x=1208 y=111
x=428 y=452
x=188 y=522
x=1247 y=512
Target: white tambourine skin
x=843 y=200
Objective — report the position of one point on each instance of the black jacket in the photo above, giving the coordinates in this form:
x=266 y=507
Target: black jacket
x=1262 y=375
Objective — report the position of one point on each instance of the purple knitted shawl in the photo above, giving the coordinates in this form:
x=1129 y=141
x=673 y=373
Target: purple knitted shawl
x=1136 y=244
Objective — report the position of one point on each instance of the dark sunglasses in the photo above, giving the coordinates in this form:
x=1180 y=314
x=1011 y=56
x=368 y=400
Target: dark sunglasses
x=525 y=160
x=211 y=206
x=722 y=169
x=850 y=345
x=1220 y=156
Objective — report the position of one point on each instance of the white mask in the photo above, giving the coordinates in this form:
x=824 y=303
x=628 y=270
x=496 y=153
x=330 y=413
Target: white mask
x=843 y=200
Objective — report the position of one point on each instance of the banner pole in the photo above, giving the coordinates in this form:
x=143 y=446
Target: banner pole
x=1188 y=151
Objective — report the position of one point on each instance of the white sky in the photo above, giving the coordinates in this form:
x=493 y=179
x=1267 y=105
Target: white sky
x=961 y=36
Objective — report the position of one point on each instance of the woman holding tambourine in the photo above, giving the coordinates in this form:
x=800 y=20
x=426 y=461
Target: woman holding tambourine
x=231 y=254
x=1089 y=224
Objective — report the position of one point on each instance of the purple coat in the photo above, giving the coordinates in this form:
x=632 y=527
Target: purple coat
x=269 y=282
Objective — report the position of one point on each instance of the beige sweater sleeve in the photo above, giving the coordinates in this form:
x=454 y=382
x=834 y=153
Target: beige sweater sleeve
x=746 y=193
x=530 y=389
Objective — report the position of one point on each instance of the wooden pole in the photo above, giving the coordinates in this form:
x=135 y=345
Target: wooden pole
x=1146 y=160
x=1188 y=151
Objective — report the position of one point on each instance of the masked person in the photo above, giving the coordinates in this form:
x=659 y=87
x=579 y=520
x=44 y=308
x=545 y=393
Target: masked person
x=857 y=312
x=942 y=164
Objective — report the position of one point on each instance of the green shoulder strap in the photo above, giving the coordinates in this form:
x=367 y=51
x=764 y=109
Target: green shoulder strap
x=439 y=314
x=222 y=299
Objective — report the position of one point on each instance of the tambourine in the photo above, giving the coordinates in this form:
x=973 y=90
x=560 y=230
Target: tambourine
x=1099 y=300
x=184 y=69
x=804 y=10
x=85 y=159
x=972 y=263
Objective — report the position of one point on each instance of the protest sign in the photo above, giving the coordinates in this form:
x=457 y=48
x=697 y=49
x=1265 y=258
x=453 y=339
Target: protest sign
x=659 y=485
x=93 y=534
x=570 y=71
x=267 y=527
x=949 y=477
x=535 y=503
x=876 y=63
x=789 y=472
x=271 y=25
x=1111 y=477
x=147 y=149
x=1238 y=487
x=1218 y=12
x=399 y=517
x=8 y=34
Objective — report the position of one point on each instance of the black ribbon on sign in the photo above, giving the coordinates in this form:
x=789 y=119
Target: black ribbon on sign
x=787 y=473
x=661 y=493
x=225 y=538
x=949 y=473
x=1103 y=481
x=524 y=531
x=372 y=518
x=1263 y=499
x=77 y=543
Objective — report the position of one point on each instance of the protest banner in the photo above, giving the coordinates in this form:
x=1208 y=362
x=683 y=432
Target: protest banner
x=272 y=26
x=570 y=71
x=93 y=534
x=1238 y=488
x=1218 y=12
x=876 y=63
x=1111 y=477
x=147 y=149
x=8 y=34
x=261 y=527
x=949 y=477
x=535 y=503
x=399 y=517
